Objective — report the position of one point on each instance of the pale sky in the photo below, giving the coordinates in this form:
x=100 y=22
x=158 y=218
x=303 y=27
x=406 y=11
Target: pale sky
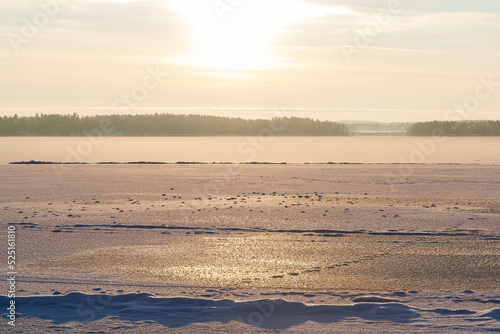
x=348 y=59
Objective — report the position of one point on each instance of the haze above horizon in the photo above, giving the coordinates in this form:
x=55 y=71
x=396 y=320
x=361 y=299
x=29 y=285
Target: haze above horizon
x=329 y=60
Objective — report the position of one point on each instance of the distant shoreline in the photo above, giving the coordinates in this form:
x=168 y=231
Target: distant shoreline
x=173 y=125
x=378 y=134
x=35 y=162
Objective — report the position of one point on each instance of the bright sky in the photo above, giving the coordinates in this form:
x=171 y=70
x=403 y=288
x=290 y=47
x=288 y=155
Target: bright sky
x=378 y=60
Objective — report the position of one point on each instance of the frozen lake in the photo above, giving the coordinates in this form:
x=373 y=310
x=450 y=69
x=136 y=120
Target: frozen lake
x=356 y=149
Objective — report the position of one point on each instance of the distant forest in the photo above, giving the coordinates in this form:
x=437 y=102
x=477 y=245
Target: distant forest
x=450 y=128
x=172 y=125
x=163 y=125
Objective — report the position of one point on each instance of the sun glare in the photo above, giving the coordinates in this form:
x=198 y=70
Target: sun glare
x=238 y=34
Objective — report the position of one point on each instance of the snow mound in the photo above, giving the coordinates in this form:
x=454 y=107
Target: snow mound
x=265 y=313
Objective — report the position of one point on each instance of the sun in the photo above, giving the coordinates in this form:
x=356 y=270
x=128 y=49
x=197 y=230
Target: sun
x=238 y=34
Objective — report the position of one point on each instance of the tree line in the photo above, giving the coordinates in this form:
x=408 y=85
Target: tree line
x=163 y=125
x=170 y=124
x=455 y=128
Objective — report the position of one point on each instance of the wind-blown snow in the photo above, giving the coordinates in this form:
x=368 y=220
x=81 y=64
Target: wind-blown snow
x=271 y=314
